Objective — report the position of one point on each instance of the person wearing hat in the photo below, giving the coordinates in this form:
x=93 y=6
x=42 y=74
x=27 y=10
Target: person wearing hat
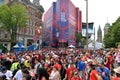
x=117 y=72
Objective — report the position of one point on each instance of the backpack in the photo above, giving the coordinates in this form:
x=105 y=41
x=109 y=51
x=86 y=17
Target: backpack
x=105 y=71
x=14 y=72
x=89 y=74
x=37 y=70
x=39 y=66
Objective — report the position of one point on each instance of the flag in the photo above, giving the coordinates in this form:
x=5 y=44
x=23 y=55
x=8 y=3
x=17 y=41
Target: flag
x=38 y=29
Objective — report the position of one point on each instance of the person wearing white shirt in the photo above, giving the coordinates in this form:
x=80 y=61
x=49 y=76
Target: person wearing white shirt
x=18 y=75
x=7 y=73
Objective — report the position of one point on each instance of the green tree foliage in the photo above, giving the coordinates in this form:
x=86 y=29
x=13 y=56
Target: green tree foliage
x=12 y=17
x=112 y=38
x=78 y=37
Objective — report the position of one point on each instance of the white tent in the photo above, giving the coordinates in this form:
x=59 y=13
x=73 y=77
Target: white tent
x=16 y=46
x=71 y=46
x=96 y=46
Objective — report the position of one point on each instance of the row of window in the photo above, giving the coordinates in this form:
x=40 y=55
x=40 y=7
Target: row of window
x=26 y=31
x=3 y=34
x=34 y=14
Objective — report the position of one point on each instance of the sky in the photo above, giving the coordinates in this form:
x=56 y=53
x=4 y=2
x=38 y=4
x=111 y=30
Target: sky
x=99 y=11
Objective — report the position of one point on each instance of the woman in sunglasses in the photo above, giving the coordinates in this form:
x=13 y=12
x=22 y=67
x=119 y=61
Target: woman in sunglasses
x=76 y=76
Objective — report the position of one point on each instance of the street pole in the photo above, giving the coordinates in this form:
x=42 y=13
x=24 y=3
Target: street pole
x=87 y=25
x=94 y=39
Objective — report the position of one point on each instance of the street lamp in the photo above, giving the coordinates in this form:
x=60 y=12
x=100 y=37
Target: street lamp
x=87 y=25
x=40 y=42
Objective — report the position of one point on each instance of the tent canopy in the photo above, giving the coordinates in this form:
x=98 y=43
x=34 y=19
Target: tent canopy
x=71 y=46
x=33 y=47
x=96 y=46
x=19 y=47
x=16 y=46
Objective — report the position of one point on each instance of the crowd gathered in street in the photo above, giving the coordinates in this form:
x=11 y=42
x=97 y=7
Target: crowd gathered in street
x=61 y=64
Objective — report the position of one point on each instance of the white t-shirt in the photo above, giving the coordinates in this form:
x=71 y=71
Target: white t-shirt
x=39 y=65
x=1 y=74
x=8 y=74
x=18 y=75
x=118 y=57
x=54 y=74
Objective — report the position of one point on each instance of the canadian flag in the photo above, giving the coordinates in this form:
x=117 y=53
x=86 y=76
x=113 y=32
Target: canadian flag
x=38 y=29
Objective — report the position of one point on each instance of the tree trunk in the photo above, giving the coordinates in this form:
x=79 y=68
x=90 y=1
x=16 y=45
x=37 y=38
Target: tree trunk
x=13 y=39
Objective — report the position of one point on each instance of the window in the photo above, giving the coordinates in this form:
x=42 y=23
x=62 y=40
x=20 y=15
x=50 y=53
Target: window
x=0 y=33
x=6 y=36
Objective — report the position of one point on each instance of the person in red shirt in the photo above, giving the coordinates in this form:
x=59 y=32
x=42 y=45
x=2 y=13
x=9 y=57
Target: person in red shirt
x=69 y=71
x=76 y=76
x=94 y=73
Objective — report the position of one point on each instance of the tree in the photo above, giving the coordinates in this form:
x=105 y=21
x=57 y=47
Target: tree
x=78 y=37
x=13 y=16
x=112 y=38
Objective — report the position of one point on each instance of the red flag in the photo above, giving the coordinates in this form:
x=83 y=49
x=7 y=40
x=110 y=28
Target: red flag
x=38 y=29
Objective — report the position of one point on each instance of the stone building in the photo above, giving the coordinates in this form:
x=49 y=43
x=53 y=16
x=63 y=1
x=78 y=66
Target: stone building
x=106 y=27
x=27 y=34
x=99 y=35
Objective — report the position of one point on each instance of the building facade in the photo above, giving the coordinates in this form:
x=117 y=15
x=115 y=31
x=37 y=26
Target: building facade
x=61 y=23
x=35 y=12
x=4 y=35
x=99 y=35
x=106 y=27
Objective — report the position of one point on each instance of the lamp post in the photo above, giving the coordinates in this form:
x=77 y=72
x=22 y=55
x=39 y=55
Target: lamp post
x=94 y=39
x=40 y=37
x=87 y=25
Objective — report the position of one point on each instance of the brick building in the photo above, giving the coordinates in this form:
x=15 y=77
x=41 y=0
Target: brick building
x=28 y=34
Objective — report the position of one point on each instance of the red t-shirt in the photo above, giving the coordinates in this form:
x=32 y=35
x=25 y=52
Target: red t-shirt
x=76 y=78
x=69 y=72
x=93 y=75
x=115 y=78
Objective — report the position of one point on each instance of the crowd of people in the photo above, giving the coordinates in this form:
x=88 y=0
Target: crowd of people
x=61 y=64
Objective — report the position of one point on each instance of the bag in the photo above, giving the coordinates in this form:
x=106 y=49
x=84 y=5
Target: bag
x=89 y=75
x=14 y=72
x=104 y=74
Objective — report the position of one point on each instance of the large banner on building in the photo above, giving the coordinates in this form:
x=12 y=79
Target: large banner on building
x=60 y=23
